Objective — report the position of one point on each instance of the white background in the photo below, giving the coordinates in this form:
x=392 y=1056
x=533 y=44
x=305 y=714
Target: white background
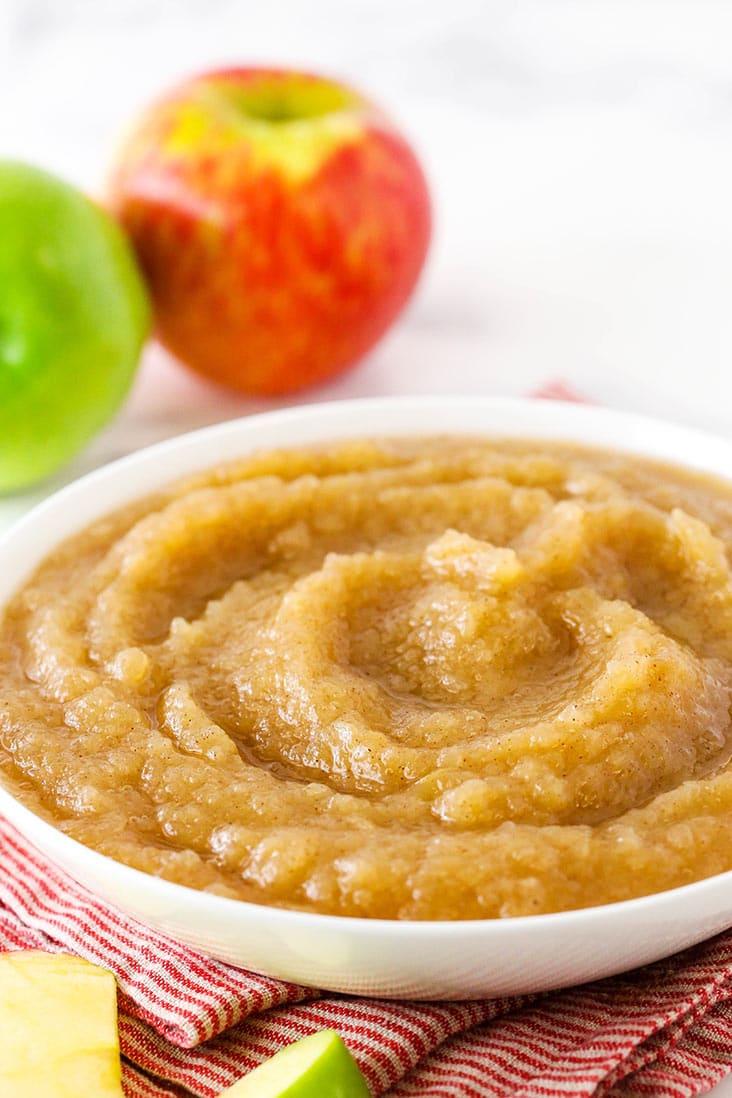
x=580 y=156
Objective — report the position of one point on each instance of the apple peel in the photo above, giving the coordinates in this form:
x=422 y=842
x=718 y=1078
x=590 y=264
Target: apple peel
x=318 y=1066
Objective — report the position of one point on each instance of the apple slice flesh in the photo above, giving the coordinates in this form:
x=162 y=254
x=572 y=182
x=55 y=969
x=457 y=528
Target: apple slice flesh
x=58 y=1028
x=318 y=1066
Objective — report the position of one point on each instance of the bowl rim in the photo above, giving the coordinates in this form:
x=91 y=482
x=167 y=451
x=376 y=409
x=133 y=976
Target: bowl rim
x=624 y=424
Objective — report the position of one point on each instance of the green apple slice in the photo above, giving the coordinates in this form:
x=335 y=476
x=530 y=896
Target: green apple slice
x=319 y=1066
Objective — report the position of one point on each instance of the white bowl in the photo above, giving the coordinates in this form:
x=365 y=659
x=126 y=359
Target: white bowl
x=376 y=957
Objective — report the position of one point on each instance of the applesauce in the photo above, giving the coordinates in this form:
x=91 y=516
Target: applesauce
x=432 y=678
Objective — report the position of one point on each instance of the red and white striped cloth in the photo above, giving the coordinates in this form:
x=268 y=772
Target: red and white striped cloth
x=192 y=1026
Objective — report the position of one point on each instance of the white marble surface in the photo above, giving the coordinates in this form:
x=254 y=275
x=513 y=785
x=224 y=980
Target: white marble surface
x=580 y=154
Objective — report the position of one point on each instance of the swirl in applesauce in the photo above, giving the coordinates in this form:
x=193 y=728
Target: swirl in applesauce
x=441 y=678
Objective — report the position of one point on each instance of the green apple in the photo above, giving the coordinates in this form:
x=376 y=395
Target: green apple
x=319 y=1066
x=74 y=315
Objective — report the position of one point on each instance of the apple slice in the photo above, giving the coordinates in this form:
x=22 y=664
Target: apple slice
x=58 y=1028
x=319 y=1066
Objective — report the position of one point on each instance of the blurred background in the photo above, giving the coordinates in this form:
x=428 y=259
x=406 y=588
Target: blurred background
x=579 y=156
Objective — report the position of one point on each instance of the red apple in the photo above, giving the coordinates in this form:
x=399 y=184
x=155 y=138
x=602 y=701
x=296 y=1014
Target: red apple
x=282 y=222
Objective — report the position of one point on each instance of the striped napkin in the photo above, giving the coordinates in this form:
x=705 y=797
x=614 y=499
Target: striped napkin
x=192 y=1026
